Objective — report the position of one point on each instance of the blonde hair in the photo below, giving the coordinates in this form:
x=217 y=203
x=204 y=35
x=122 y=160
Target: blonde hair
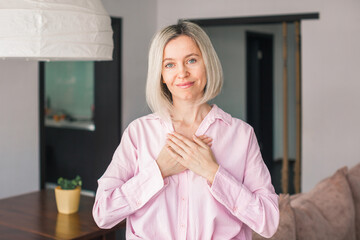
x=158 y=95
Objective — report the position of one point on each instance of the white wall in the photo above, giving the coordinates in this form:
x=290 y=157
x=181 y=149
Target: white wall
x=19 y=128
x=331 y=85
x=330 y=73
x=139 y=26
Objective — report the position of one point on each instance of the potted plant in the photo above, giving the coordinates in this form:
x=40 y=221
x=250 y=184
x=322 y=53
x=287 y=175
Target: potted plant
x=67 y=195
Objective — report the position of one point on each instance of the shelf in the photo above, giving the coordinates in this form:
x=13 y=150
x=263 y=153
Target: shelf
x=84 y=125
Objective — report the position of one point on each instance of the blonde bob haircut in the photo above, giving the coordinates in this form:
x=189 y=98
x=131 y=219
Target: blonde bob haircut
x=158 y=95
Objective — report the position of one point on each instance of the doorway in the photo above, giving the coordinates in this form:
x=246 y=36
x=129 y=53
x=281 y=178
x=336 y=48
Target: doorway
x=259 y=82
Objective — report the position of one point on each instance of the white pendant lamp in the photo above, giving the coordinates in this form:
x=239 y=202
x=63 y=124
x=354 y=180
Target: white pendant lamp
x=55 y=30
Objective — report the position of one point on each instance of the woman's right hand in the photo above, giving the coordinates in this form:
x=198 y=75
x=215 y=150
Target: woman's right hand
x=169 y=166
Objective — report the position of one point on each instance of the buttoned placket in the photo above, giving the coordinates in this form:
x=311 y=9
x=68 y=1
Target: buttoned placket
x=183 y=198
x=183 y=193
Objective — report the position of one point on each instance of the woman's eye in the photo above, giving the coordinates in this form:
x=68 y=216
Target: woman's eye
x=192 y=60
x=169 y=65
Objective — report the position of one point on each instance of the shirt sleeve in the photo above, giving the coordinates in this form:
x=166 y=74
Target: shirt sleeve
x=253 y=201
x=123 y=189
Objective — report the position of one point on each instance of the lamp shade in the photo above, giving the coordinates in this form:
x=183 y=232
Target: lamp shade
x=56 y=30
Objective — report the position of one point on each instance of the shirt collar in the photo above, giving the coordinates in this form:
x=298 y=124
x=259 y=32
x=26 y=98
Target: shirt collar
x=215 y=113
x=218 y=113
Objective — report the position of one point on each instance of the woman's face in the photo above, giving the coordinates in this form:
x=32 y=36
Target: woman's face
x=183 y=69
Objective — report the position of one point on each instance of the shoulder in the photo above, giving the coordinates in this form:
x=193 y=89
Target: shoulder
x=242 y=129
x=242 y=124
x=139 y=126
x=232 y=122
x=143 y=126
x=144 y=120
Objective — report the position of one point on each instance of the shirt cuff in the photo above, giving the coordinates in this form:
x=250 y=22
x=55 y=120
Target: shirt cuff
x=230 y=192
x=142 y=187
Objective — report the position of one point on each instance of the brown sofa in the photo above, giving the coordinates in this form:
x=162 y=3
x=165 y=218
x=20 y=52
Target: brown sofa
x=330 y=211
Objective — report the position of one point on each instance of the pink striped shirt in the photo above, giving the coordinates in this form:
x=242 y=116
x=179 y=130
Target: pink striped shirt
x=186 y=206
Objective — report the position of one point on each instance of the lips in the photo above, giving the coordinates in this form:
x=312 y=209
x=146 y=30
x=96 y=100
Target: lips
x=185 y=85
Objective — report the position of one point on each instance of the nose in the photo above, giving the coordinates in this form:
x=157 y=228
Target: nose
x=182 y=71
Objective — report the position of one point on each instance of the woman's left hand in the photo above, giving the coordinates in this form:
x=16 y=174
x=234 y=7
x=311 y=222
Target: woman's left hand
x=194 y=155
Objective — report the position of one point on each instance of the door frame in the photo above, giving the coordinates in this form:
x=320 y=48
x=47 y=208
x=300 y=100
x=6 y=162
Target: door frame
x=264 y=19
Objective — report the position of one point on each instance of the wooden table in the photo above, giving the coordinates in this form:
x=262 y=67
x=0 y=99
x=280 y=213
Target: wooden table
x=35 y=216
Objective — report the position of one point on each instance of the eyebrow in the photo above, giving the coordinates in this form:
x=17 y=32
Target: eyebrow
x=189 y=55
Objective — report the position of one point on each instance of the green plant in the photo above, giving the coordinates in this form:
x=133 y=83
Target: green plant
x=67 y=184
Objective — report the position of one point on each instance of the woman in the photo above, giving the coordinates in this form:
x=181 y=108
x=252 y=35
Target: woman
x=189 y=170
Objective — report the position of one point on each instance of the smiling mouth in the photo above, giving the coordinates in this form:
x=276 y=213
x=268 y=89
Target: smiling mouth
x=185 y=85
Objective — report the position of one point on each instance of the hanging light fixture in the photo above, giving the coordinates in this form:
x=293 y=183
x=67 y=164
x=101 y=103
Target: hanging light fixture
x=55 y=30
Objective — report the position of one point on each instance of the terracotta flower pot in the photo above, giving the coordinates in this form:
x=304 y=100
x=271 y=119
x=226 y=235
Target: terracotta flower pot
x=67 y=201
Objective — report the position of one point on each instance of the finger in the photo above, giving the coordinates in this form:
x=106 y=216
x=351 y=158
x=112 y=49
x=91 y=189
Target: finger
x=183 y=139
x=177 y=157
x=172 y=153
x=180 y=143
x=198 y=141
x=202 y=137
x=206 y=140
x=179 y=150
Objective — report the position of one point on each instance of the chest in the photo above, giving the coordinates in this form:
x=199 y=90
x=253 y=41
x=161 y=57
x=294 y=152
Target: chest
x=187 y=131
x=229 y=144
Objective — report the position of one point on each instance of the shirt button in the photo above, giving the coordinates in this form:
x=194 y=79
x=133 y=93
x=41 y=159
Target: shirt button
x=182 y=226
x=183 y=198
x=138 y=203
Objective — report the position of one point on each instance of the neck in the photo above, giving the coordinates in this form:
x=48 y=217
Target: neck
x=189 y=113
